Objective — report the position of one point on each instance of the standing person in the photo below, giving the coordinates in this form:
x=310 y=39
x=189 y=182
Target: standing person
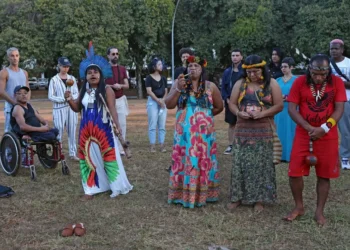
x=100 y=162
x=184 y=53
x=10 y=77
x=194 y=175
x=156 y=86
x=341 y=67
x=119 y=82
x=275 y=64
x=316 y=103
x=284 y=123
x=255 y=99
x=230 y=77
x=63 y=116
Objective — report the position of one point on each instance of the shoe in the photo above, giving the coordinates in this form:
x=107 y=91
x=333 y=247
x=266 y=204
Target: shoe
x=79 y=229
x=74 y=158
x=228 y=150
x=345 y=164
x=122 y=153
x=153 y=149
x=68 y=230
x=162 y=148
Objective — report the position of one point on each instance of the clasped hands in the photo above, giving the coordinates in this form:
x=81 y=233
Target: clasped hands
x=316 y=133
x=251 y=115
x=117 y=86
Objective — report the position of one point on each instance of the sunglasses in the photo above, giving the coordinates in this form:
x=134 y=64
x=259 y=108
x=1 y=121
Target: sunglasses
x=115 y=54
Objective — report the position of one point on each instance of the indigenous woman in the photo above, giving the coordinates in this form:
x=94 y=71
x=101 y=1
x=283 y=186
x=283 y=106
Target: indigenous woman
x=194 y=175
x=285 y=125
x=100 y=162
x=156 y=86
x=255 y=99
x=275 y=64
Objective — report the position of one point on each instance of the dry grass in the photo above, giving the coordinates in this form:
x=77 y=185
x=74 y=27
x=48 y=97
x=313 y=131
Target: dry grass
x=142 y=219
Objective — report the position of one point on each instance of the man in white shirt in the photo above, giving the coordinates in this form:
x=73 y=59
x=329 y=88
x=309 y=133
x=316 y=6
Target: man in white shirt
x=341 y=67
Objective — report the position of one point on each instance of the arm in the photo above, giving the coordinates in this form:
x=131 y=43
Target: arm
x=125 y=84
x=41 y=119
x=233 y=103
x=175 y=92
x=74 y=89
x=29 y=95
x=111 y=106
x=75 y=105
x=52 y=95
x=18 y=114
x=3 y=82
x=217 y=100
x=296 y=116
x=347 y=85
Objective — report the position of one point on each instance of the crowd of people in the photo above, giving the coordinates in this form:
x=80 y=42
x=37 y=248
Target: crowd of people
x=259 y=99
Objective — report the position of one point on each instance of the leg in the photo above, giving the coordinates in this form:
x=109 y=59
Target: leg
x=297 y=186
x=230 y=133
x=344 y=128
x=162 y=129
x=59 y=121
x=323 y=186
x=71 y=131
x=121 y=111
x=7 y=126
x=152 y=112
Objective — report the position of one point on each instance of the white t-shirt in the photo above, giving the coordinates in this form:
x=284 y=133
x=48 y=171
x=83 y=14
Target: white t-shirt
x=344 y=67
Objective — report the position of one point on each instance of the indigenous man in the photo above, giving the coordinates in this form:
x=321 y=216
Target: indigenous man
x=341 y=67
x=119 y=82
x=63 y=115
x=11 y=77
x=316 y=103
x=230 y=77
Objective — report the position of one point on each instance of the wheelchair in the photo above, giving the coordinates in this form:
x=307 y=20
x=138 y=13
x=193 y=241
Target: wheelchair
x=13 y=147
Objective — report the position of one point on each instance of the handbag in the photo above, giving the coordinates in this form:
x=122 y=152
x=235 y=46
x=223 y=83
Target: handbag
x=277 y=145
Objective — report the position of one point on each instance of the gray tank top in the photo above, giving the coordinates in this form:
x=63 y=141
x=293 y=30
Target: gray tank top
x=14 y=79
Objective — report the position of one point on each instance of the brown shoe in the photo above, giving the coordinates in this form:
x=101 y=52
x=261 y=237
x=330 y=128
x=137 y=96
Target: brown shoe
x=79 y=229
x=68 y=230
x=153 y=149
x=162 y=148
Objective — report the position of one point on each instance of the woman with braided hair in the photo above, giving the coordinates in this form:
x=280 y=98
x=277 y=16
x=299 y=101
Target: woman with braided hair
x=194 y=175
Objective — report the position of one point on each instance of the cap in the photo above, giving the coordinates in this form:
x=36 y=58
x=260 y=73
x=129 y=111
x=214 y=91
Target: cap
x=64 y=61
x=19 y=87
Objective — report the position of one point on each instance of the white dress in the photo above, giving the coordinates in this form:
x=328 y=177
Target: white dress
x=100 y=162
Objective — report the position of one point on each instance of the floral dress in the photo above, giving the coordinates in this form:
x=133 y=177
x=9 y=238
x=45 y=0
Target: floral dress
x=194 y=175
x=253 y=177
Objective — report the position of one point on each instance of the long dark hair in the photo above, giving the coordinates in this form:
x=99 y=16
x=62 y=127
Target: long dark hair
x=319 y=59
x=255 y=59
x=101 y=88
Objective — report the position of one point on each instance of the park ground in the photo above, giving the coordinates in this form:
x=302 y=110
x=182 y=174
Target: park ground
x=142 y=219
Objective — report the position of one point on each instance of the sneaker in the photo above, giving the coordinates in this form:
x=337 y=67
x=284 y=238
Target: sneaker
x=345 y=164
x=74 y=158
x=162 y=148
x=122 y=153
x=228 y=150
x=153 y=149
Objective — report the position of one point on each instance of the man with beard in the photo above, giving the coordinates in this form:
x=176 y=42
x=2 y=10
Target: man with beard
x=316 y=103
x=11 y=77
x=230 y=77
x=119 y=82
x=341 y=67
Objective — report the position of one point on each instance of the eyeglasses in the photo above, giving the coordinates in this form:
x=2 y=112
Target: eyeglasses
x=115 y=54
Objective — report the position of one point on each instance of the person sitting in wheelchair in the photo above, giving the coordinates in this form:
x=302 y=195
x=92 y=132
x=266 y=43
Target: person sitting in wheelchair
x=27 y=121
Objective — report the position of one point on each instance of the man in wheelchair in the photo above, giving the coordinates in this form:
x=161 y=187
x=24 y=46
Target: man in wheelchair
x=25 y=121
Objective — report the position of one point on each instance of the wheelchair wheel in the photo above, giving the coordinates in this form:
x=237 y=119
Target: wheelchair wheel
x=45 y=154
x=10 y=153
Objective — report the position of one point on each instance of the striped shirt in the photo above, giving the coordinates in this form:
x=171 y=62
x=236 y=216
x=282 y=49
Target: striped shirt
x=56 y=91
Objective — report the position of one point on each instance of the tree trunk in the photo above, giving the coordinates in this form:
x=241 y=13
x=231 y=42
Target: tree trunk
x=139 y=81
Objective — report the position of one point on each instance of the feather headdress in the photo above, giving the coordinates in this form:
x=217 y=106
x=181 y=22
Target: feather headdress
x=92 y=59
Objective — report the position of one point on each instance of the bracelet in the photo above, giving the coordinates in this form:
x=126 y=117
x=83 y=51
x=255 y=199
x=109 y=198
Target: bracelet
x=178 y=90
x=325 y=127
x=331 y=122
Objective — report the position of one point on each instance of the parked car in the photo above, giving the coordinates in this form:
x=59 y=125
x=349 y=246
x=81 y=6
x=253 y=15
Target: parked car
x=43 y=82
x=33 y=83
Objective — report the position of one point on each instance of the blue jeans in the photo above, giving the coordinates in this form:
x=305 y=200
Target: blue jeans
x=156 y=117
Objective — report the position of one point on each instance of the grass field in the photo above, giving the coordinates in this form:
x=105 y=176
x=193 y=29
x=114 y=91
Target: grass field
x=142 y=219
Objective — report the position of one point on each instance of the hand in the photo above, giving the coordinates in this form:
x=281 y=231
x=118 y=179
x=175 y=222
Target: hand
x=243 y=115
x=181 y=82
x=256 y=115
x=67 y=94
x=316 y=133
x=117 y=86
x=44 y=128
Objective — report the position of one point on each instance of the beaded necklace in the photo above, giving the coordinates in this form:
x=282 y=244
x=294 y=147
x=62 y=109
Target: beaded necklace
x=320 y=93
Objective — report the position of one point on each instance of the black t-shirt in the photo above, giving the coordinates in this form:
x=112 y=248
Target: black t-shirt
x=179 y=71
x=158 y=87
x=29 y=117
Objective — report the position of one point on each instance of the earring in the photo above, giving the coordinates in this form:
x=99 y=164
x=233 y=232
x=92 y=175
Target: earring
x=247 y=79
x=262 y=77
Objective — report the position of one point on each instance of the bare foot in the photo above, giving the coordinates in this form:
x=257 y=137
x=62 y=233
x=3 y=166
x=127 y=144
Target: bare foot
x=258 y=207
x=233 y=205
x=86 y=197
x=320 y=219
x=295 y=213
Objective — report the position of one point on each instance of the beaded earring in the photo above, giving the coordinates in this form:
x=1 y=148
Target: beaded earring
x=261 y=77
x=247 y=79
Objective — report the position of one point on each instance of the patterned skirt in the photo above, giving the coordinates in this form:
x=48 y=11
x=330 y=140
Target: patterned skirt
x=253 y=177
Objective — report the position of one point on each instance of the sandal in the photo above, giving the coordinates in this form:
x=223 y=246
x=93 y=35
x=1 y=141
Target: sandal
x=79 y=229
x=68 y=230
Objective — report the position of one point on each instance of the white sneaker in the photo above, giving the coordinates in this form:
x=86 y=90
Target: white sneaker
x=228 y=150
x=345 y=164
x=74 y=158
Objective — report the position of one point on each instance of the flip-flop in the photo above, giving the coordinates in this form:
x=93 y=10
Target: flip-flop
x=68 y=230
x=79 y=229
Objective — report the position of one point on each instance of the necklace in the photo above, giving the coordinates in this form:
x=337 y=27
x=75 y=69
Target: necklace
x=286 y=79
x=319 y=94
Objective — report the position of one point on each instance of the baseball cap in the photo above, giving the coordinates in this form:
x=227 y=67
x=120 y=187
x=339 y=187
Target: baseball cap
x=64 y=61
x=19 y=87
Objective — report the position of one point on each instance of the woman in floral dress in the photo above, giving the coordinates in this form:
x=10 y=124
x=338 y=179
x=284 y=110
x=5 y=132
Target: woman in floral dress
x=194 y=175
x=255 y=99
